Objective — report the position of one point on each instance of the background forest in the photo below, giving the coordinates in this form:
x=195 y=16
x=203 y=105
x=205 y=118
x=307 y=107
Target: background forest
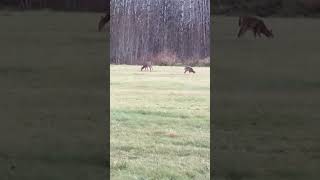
x=167 y=32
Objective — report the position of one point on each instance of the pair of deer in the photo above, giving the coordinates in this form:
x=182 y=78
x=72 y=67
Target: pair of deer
x=105 y=19
x=149 y=65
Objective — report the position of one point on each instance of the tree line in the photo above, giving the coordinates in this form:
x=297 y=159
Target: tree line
x=165 y=31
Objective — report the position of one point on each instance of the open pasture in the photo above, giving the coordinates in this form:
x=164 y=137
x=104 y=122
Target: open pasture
x=266 y=101
x=159 y=123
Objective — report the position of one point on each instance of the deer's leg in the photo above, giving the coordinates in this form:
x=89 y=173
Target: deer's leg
x=242 y=31
x=239 y=33
x=259 y=34
x=255 y=33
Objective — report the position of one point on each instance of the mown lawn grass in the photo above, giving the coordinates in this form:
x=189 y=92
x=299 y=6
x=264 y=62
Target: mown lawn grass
x=159 y=123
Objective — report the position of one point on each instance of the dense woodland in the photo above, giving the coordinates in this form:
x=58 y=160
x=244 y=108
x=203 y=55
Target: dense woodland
x=166 y=32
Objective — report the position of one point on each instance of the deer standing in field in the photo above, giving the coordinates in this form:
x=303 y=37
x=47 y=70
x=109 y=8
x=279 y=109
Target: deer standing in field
x=189 y=69
x=147 y=65
x=254 y=24
x=104 y=19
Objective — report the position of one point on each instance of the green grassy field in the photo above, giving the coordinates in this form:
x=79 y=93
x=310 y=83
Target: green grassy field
x=159 y=123
x=52 y=74
x=266 y=99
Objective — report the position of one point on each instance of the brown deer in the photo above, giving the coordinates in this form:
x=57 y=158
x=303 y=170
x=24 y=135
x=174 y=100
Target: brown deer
x=254 y=24
x=104 y=19
x=189 y=69
x=147 y=65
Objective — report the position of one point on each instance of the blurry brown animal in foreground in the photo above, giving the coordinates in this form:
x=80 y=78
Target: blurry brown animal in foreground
x=188 y=69
x=147 y=65
x=256 y=25
x=103 y=20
